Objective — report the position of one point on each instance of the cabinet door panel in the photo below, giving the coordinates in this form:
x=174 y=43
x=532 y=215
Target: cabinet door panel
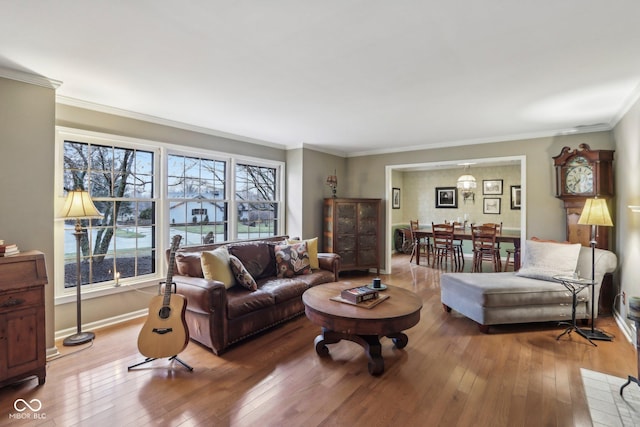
x=368 y=256
x=22 y=344
x=346 y=243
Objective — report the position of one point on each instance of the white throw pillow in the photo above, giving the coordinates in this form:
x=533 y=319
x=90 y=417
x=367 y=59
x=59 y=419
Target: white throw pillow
x=544 y=260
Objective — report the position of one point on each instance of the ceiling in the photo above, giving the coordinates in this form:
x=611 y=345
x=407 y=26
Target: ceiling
x=349 y=77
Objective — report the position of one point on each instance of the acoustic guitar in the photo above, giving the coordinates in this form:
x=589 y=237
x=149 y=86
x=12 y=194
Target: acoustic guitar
x=165 y=333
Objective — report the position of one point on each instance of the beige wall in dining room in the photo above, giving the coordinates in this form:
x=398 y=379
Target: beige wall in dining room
x=420 y=199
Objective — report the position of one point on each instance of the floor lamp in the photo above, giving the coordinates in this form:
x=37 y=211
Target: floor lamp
x=595 y=213
x=78 y=205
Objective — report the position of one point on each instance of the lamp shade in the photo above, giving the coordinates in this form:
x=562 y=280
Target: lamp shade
x=595 y=212
x=78 y=204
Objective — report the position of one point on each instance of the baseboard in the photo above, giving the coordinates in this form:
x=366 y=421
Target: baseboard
x=102 y=323
x=625 y=328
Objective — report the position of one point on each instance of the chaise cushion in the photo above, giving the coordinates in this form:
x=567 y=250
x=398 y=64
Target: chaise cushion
x=507 y=289
x=544 y=260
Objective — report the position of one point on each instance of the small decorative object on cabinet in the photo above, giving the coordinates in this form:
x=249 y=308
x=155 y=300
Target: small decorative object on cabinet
x=22 y=320
x=351 y=229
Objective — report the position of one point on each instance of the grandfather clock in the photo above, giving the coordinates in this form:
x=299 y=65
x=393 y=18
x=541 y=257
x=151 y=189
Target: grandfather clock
x=583 y=174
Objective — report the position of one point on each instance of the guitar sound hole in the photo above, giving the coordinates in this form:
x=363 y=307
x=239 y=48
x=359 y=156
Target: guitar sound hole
x=164 y=312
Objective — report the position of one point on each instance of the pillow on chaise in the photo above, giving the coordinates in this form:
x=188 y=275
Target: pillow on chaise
x=215 y=266
x=544 y=260
x=292 y=260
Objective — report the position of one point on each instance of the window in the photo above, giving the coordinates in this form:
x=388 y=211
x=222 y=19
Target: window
x=121 y=182
x=197 y=205
x=256 y=200
x=204 y=196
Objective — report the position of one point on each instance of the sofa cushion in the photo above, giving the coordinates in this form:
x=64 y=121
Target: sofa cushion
x=312 y=248
x=292 y=260
x=284 y=289
x=189 y=264
x=257 y=258
x=216 y=266
x=243 y=277
x=241 y=302
x=544 y=260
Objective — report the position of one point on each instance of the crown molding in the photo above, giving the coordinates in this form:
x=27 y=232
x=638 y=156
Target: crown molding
x=25 y=77
x=73 y=102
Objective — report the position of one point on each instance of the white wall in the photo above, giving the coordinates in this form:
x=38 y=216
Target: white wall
x=627 y=223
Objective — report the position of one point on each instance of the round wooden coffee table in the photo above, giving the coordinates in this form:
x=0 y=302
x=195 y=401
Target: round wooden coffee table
x=365 y=326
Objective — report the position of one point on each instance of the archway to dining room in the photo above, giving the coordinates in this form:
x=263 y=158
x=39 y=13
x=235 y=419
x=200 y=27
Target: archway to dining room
x=412 y=193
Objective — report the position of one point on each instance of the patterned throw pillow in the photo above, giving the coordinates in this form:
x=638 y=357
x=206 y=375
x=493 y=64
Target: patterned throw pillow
x=292 y=260
x=312 y=248
x=243 y=278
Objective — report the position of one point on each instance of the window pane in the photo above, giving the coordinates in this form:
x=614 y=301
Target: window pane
x=257 y=207
x=120 y=181
x=197 y=209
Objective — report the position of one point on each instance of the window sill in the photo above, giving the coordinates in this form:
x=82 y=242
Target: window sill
x=107 y=290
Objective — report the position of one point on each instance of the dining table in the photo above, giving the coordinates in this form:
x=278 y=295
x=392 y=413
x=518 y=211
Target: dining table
x=464 y=233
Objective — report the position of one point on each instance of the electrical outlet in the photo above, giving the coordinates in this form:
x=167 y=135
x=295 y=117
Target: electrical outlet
x=624 y=298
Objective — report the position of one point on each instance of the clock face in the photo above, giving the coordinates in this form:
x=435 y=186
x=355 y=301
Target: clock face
x=579 y=176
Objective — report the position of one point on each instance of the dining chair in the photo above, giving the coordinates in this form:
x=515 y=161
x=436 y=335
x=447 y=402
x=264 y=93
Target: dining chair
x=418 y=243
x=483 y=239
x=498 y=227
x=443 y=250
x=511 y=259
x=457 y=243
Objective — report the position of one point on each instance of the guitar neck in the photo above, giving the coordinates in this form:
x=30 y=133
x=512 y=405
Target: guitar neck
x=172 y=261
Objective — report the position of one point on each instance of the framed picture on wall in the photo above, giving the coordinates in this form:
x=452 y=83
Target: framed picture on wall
x=491 y=205
x=492 y=187
x=446 y=197
x=515 y=197
x=395 y=198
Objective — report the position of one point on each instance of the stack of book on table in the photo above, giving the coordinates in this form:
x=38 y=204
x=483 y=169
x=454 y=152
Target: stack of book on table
x=8 y=250
x=359 y=294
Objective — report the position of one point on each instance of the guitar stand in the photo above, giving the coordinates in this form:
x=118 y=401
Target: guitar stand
x=151 y=359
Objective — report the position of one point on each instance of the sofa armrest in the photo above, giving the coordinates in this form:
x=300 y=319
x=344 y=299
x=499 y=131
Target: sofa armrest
x=203 y=296
x=330 y=262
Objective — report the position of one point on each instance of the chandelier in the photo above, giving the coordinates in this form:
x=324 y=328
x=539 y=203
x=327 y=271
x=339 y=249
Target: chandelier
x=466 y=184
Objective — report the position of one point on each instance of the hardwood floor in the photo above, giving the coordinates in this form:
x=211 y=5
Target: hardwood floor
x=449 y=374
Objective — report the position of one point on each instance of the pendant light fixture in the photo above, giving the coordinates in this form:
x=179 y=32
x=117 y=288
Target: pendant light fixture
x=467 y=184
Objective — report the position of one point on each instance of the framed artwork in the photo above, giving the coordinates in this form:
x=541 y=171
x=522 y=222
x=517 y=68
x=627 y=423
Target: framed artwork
x=395 y=198
x=515 y=197
x=492 y=187
x=446 y=197
x=491 y=205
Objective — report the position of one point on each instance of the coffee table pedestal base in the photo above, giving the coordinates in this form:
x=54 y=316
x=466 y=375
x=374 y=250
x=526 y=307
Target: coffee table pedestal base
x=370 y=343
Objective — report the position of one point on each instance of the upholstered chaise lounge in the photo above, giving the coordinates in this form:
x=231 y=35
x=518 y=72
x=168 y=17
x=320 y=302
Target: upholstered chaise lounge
x=531 y=294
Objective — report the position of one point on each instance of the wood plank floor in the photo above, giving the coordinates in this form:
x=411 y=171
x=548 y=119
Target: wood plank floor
x=449 y=374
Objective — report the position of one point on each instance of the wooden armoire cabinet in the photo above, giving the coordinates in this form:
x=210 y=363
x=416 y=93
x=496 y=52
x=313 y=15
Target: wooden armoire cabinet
x=351 y=228
x=22 y=317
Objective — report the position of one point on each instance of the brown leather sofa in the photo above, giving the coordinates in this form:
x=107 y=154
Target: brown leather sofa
x=218 y=317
